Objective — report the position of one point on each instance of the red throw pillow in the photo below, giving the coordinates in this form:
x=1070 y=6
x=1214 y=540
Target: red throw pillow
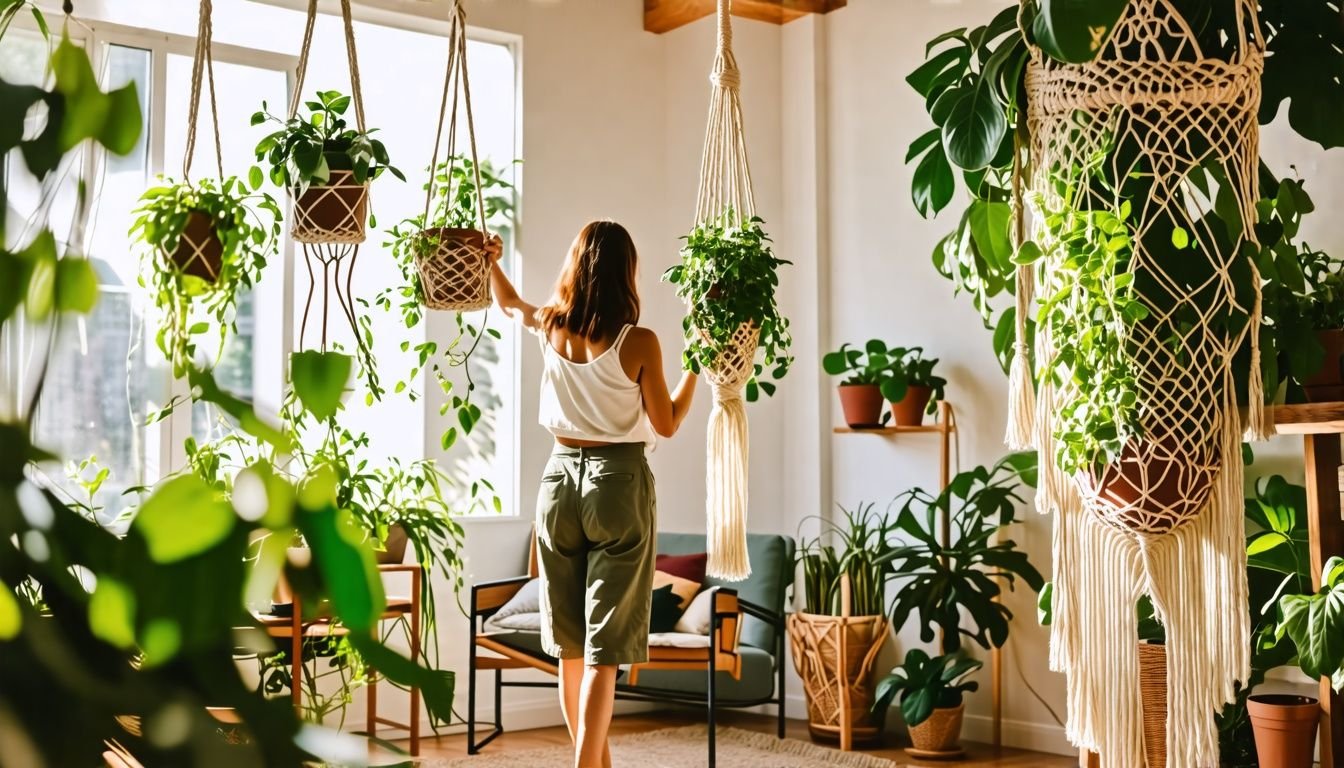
x=690 y=567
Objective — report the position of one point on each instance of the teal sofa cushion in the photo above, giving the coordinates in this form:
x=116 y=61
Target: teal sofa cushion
x=767 y=586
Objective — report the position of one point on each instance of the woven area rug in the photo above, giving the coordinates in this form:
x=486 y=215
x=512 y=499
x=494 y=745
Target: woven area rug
x=681 y=748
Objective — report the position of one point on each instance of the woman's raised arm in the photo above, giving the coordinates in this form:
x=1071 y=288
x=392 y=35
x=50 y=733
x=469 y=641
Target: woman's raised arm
x=506 y=296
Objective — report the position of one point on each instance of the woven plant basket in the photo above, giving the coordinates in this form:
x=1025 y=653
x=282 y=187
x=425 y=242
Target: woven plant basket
x=199 y=251
x=455 y=275
x=940 y=732
x=335 y=212
x=737 y=359
x=1153 y=693
x=834 y=656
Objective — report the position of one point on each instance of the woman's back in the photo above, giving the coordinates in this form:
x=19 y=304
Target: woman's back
x=589 y=390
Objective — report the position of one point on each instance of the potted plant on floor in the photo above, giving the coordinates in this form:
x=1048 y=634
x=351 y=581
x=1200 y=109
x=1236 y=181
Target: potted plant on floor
x=838 y=634
x=930 y=692
x=728 y=275
x=326 y=165
x=202 y=243
x=861 y=391
x=911 y=386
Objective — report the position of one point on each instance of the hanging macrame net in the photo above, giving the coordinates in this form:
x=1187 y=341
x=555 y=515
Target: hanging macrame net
x=329 y=219
x=199 y=251
x=1164 y=518
x=453 y=264
x=725 y=195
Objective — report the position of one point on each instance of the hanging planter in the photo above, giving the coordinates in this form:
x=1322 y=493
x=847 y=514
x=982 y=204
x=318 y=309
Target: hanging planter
x=202 y=242
x=332 y=210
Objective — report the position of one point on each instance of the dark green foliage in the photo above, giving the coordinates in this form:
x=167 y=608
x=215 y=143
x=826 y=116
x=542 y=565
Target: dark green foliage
x=307 y=149
x=925 y=684
x=866 y=539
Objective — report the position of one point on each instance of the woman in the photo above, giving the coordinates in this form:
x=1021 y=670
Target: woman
x=603 y=397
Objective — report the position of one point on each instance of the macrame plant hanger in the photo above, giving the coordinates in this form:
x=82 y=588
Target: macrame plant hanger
x=199 y=251
x=330 y=219
x=454 y=267
x=1165 y=518
x=725 y=195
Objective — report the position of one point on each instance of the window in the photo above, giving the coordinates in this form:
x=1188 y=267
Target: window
x=108 y=375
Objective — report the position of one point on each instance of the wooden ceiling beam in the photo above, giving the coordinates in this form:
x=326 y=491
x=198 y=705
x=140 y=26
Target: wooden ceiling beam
x=666 y=15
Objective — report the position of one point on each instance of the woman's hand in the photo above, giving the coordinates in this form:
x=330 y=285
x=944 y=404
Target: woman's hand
x=494 y=248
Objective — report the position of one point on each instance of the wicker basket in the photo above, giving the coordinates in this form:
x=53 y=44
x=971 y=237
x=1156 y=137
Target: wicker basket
x=834 y=656
x=737 y=360
x=455 y=275
x=1153 y=693
x=199 y=251
x=940 y=732
x=335 y=212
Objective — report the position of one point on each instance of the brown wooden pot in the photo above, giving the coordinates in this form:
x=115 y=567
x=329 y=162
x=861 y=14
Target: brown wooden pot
x=199 y=251
x=1327 y=386
x=909 y=411
x=941 y=732
x=337 y=211
x=1285 y=729
x=394 y=549
x=862 y=404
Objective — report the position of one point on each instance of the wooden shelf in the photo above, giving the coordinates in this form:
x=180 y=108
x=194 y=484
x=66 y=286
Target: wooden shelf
x=891 y=430
x=1309 y=419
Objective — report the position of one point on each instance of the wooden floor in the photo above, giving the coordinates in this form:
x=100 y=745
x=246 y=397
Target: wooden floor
x=977 y=755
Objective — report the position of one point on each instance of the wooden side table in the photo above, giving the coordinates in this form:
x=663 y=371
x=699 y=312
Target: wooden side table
x=297 y=629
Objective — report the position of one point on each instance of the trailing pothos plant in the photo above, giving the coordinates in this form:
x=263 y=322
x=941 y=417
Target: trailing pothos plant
x=728 y=275
x=190 y=304
x=973 y=85
x=944 y=581
x=454 y=206
x=306 y=149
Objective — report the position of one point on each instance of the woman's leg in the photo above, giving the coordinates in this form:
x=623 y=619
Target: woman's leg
x=571 y=678
x=597 y=698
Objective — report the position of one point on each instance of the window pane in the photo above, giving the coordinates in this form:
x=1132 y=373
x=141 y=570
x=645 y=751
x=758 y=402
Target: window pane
x=105 y=371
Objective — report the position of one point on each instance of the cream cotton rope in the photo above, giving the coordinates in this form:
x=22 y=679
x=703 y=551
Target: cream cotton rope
x=725 y=188
x=1176 y=534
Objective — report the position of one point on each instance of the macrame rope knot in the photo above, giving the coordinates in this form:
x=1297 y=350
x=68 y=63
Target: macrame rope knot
x=728 y=78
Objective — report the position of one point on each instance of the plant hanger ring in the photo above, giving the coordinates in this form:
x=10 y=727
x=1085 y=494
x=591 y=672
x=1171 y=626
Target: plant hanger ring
x=453 y=264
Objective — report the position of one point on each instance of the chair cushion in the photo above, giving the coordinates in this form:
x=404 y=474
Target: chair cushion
x=771 y=575
x=520 y=621
x=686 y=566
x=678 y=640
x=757 y=682
x=698 y=615
x=526 y=600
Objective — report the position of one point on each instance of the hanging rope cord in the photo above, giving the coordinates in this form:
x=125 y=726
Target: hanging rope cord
x=725 y=195
x=455 y=78
x=356 y=90
x=202 y=68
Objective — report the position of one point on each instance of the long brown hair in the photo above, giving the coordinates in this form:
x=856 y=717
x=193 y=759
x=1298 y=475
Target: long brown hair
x=598 y=290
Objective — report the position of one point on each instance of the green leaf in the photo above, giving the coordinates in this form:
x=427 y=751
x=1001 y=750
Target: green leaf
x=990 y=223
x=319 y=380
x=975 y=126
x=185 y=517
x=76 y=285
x=1180 y=238
x=933 y=183
x=11 y=618
x=1045 y=607
x=112 y=612
x=1074 y=31
x=1264 y=542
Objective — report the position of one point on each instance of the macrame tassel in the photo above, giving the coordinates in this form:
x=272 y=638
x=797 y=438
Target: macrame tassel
x=1021 y=393
x=1259 y=416
x=726 y=486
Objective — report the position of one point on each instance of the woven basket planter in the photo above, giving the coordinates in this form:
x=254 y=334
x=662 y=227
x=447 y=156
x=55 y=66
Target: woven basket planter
x=199 y=251
x=1153 y=693
x=941 y=732
x=737 y=360
x=335 y=212
x=834 y=656
x=454 y=269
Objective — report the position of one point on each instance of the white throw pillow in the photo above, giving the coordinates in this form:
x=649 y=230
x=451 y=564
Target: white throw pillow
x=526 y=622
x=526 y=600
x=698 y=615
x=678 y=640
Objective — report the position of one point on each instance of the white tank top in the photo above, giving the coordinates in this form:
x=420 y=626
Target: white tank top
x=595 y=400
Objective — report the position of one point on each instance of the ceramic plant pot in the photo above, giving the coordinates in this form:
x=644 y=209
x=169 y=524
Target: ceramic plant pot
x=1327 y=386
x=909 y=411
x=335 y=212
x=1285 y=729
x=862 y=404
x=394 y=549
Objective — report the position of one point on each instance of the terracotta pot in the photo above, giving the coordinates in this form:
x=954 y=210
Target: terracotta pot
x=394 y=549
x=862 y=404
x=199 y=251
x=1327 y=386
x=1152 y=487
x=333 y=212
x=940 y=732
x=456 y=275
x=1285 y=729
x=909 y=412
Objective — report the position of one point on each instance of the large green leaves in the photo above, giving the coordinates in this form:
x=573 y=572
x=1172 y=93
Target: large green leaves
x=974 y=123
x=1316 y=623
x=183 y=518
x=319 y=380
x=1075 y=30
x=925 y=684
x=1305 y=66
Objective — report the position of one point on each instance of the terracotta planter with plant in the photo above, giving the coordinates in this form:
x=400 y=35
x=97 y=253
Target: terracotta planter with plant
x=1327 y=385
x=861 y=391
x=326 y=165
x=1285 y=729
x=911 y=386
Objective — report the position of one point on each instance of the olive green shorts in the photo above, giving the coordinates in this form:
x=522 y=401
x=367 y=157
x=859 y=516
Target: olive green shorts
x=595 y=537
